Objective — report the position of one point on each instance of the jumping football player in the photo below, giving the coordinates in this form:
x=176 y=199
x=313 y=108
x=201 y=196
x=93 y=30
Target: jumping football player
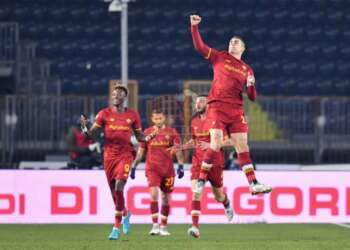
x=225 y=110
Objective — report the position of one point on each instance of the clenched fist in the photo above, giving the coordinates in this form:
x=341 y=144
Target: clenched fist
x=195 y=19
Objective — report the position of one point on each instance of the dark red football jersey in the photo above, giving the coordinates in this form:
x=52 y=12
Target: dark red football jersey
x=118 y=129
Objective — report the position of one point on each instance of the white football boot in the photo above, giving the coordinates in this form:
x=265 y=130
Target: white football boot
x=164 y=231
x=155 y=229
x=259 y=188
x=194 y=232
x=229 y=213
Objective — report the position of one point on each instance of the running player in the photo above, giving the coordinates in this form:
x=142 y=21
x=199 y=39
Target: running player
x=160 y=171
x=225 y=110
x=118 y=124
x=200 y=141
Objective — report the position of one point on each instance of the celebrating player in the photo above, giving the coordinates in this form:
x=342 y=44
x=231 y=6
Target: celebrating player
x=225 y=110
x=118 y=123
x=200 y=141
x=159 y=169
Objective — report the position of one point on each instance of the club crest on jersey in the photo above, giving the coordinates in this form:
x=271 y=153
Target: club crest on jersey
x=112 y=119
x=128 y=121
x=167 y=137
x=244 y=67
x=228 y=61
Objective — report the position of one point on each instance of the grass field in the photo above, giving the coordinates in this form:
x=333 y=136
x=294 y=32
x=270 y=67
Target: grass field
x=259 y=236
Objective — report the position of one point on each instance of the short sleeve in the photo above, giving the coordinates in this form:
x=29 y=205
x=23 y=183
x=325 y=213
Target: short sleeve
x=100 y=119
x=137 y=122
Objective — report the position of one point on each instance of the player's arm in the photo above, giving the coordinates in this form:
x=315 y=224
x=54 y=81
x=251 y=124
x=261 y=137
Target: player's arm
x=251 y=90
x=137 y=129
x=199 y=45
x=90 y=132
x=179 y=156
x=180 y=147
x=138 y=159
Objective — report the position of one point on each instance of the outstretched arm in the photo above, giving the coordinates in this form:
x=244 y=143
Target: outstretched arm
x=198 y=43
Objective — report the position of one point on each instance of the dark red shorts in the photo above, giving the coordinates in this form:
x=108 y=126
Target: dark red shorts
x=161 y=177
x=215 y=175
x=226 y=118
x=118 y=168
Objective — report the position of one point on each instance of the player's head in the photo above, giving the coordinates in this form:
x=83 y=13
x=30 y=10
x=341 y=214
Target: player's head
x=201 y=104
x=158 y=118
x=236 y=46
x=119 y=94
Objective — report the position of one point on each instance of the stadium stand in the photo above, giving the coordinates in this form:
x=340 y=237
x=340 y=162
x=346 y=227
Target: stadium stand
x=280 y=42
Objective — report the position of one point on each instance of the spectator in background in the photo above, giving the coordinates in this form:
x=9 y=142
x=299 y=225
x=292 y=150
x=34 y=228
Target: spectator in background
x=232 y=162
x=84 y=153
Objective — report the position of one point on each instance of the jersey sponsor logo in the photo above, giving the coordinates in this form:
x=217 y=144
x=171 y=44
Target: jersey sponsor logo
x=234 y=69
x=112 y=119
x=202 y=133
x=119 y=127
x=159 y=143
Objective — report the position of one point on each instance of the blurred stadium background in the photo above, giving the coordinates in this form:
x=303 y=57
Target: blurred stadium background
x=59 y=57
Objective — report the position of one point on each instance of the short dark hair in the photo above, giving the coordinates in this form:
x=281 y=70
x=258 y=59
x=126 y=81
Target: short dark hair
x=122 y=87
x=157 y=111
x=238 y=37
x=202 y=96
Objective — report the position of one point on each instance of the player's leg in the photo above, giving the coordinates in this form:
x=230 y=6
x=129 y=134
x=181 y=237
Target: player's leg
x=216 y=139
x=195 y=211
x=221 y=197
x=216 y=178
x=120 y=208
x=154 y=181
x=240 y=142
x=164 y=213
x=166 y=187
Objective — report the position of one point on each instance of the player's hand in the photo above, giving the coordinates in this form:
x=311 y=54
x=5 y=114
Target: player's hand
x=195 y=19
x=180 y=171
x=174 y=149
x=84 y=123
x=132 y=173
x=203 y=145
x=250 y=80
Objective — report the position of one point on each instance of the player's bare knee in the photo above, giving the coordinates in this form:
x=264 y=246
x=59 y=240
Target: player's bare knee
x=196 y=196
x=216 y=138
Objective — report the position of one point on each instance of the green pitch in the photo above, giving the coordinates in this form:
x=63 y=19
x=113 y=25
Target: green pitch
x=221 y=237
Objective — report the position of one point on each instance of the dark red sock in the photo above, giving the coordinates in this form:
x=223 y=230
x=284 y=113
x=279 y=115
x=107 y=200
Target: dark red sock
x=154 y=211
x=196 y=210
x=119 y=208
x=164 y=214
x=226 y=202
x=246 y=165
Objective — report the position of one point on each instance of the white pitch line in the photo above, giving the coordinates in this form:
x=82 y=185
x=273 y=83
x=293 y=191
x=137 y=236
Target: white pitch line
x=342 y=225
